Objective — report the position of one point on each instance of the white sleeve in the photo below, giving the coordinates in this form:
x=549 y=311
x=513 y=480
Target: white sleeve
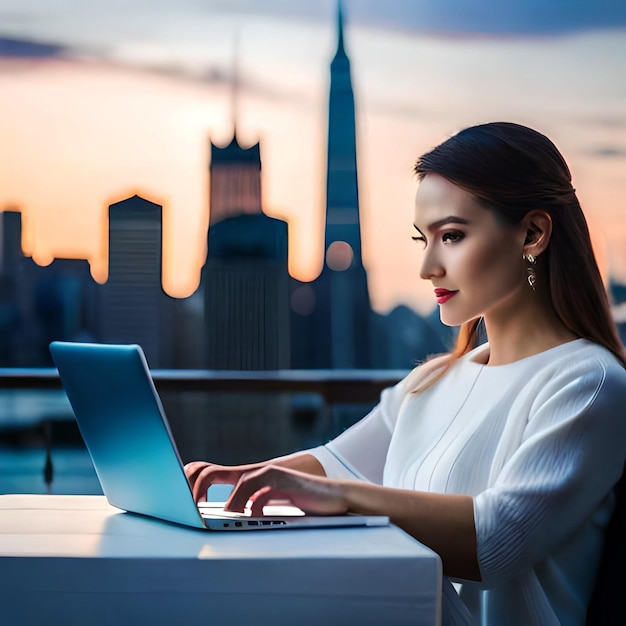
x=571 y=455
x=361 y=450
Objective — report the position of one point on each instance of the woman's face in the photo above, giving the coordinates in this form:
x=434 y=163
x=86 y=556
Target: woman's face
x=472 y=258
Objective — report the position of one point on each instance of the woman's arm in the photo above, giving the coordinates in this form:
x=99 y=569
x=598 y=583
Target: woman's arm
x=443 y=522
x=358 y=452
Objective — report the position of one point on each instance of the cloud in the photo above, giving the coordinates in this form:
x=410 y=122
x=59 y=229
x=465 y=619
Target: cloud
x=215 y=75
x=449 y=17
x=493 y=17
x=30 y=49
x=610 y=152
x=443 y=17
x=36 y=51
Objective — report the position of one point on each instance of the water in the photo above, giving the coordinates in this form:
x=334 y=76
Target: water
x=23 y=445
x=22 y=471
x=24 y=408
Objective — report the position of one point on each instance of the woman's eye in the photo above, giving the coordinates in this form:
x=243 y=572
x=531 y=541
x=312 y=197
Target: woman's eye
x=420 y=239
x=452 y=237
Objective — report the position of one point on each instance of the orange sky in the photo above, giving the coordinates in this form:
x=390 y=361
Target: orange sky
x=79 y=135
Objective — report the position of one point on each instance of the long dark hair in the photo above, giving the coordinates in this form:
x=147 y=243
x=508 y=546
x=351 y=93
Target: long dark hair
x=512 y=169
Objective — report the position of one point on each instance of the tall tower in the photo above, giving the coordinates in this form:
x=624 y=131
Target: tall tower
x=246 y=289
x=134 y=308
x=235 y=174
x=245 y=279
x=342 y=193
x=340 y=323
x=10 y=283
x=234 y=171
x=10 y=240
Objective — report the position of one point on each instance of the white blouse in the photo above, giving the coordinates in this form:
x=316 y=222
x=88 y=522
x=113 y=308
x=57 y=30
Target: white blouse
x=539 y=444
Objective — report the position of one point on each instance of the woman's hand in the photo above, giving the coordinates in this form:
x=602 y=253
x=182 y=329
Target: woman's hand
x=313 y=494
x=201 y=475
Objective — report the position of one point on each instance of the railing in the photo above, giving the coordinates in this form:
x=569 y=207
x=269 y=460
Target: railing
x=335 y=386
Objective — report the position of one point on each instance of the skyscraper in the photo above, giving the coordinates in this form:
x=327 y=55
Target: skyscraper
x=10 y=258
x=39 y=304
x=10 y=240
x=134 y=308
x=246 y=287
x=235 y=174
x=342 y=234
x=245 y=279
x=339 y=324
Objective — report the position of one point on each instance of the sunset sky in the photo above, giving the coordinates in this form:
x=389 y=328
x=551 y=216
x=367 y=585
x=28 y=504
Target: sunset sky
x=100 y=100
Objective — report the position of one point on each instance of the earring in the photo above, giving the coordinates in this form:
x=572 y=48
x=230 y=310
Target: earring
x=532 y=277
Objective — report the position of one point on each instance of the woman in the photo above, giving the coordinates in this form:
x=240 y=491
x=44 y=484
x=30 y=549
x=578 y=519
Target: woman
x=501 y=457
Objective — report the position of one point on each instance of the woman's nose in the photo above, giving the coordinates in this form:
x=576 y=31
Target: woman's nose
x=431 y=268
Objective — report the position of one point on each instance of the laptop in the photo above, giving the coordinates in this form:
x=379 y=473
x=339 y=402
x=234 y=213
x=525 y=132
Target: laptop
x=121 y=419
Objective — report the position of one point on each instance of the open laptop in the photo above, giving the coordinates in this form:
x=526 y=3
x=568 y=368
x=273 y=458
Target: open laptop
x=123 y=425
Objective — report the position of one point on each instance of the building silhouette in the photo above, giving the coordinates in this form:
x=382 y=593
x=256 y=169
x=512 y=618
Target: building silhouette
x=405 y=338
x=10 y=240
x=64 y=302
x=335 y=331
x=235 y=180
x=133 y=306
x=246 y=286
x=10 y=260
x=245 y=280
x=40 y=304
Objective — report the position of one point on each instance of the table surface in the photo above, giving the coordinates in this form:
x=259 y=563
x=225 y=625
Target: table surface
x=372 y=573
x=87 y=526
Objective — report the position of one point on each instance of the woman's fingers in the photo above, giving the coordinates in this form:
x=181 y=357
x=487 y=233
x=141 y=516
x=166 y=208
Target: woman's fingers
x=247 y=485
x=259 y=500
x=215 y=475
x=193 y=469
x=313 y=495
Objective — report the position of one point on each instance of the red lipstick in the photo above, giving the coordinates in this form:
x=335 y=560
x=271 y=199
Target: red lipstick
x=443 y=295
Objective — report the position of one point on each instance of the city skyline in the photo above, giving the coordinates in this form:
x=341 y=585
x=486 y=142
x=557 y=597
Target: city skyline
x=120 y=121
x=247 y=313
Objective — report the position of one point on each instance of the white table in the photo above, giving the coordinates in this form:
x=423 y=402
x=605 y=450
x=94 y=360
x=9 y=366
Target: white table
x=77 y=560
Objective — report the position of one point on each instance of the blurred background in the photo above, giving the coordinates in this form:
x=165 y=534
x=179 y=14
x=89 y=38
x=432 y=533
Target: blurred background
x=230 y=185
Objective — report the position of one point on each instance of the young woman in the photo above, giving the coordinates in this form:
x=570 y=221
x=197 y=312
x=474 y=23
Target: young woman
x=501 y=457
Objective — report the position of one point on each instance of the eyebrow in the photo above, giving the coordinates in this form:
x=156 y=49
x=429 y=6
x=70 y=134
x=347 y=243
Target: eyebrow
x=451 y=219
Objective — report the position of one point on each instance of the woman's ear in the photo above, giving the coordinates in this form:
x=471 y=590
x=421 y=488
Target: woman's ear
x=538 y=225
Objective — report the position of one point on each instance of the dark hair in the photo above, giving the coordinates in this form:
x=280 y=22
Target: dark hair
x=512 y=169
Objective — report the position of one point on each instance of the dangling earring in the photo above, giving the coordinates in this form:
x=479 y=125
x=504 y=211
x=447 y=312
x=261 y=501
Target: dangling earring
x=532 y=277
